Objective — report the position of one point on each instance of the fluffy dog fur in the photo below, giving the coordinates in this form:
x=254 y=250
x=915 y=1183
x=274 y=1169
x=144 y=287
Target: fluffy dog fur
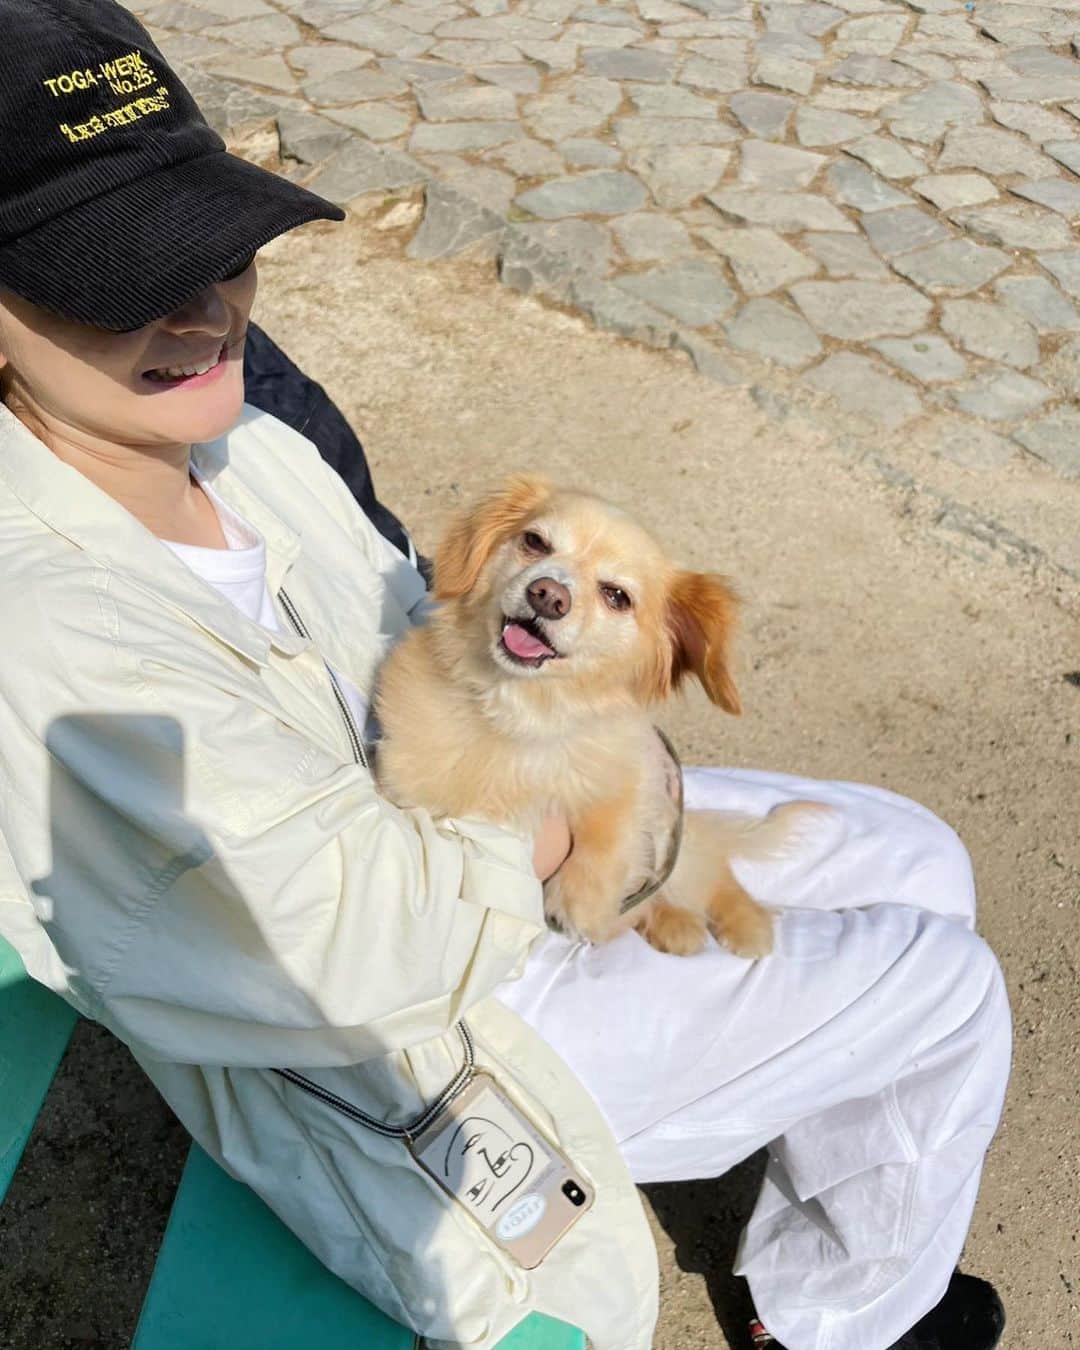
x=473 y=729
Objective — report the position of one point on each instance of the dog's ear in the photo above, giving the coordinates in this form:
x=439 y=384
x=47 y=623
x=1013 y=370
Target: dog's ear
x=701 y=612
x=474 y=536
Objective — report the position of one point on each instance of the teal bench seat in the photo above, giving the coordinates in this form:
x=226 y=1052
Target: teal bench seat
x=229 y=1275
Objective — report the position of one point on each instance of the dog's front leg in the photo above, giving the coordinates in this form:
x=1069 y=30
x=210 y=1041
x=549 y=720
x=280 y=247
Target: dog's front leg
x=584 y=895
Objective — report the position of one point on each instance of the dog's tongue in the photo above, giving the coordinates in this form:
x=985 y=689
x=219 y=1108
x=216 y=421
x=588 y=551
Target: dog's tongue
x=521 y=643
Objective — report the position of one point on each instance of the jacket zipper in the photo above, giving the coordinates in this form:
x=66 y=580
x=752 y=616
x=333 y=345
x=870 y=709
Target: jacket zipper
x=355 y=741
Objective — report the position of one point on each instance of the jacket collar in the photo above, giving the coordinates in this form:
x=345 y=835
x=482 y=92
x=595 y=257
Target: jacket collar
x=72 y=506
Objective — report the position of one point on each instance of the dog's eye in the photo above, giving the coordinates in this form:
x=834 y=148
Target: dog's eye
x=535 y=543
x=615 y=597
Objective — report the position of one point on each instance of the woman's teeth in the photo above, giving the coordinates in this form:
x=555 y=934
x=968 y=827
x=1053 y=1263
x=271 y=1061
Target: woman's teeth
x=179 y=372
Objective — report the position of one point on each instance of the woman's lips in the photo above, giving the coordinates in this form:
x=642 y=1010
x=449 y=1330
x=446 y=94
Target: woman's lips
x=188 y=373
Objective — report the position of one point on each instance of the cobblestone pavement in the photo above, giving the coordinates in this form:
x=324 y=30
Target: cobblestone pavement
x=879 y=197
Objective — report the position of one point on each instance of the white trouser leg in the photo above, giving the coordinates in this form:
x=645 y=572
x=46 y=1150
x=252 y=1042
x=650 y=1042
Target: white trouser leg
x=870 y=1051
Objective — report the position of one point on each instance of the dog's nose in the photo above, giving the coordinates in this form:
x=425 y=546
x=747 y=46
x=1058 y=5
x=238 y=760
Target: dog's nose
x=549 y=598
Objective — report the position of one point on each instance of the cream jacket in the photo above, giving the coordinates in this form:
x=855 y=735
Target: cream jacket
x=193 y=858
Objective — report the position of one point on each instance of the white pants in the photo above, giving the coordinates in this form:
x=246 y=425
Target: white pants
x=870 y=1052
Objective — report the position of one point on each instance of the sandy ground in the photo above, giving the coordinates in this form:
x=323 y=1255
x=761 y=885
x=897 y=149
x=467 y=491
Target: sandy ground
x=876 y=646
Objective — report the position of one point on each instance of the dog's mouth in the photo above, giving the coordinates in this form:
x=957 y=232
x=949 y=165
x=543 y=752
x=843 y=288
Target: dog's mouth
x=524 y=643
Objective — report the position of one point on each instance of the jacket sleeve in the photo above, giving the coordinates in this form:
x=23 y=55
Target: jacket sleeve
x=226 y=891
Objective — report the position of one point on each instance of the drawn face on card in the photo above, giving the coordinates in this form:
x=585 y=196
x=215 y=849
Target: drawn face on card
x=486 y=1158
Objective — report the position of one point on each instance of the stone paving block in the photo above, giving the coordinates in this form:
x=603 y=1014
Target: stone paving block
x=797 y=46
x=375 y=34
x=856 y=186
x=1000 y=395
x=464 y=103
x=482 y=183
x=970 y=445
x=361 y=85
x=1062 y=369
x=926 y=356
x=841 y=98
x=885 y=156
x=1066 y=152
x=308 y=138
x=771 y=330
x=498 y=28
x=1055 y=439
x=782 y=72
x=180 y=17
x=764 y=164
x=606 y=192
x=237 y=9
x=1059 y=194
x=761 y=260
x=1015 y=226
x=871 y=34
x=452 y=222
x=415 y=72
x=585 y=245
x=926 y=116
x=665 y=100
x=267 y=32
x=270 y=70
x=950 y=190
x=874 y=70
x=862 y=386
x=528 y=158
x=1040 y=302
x=427 y=19
x=845 y=255
x=994 y=151
x=955 y=266
x=586 y=153
x=823 y=126
x=461 y=52
x=633 y=133
x=358 y=168
x=646 y=236
x=316 y=60
x=858 y=310
x=595 y=36
x=457 y=136
x=693 y=292
x=728 y=51
x=518 y=79
x=988 y=330
x=1065 y=266
x=814 y=19
x=677 y=174
x=903 y=229
x=788 y=212
x=1038 y=124
x=654 y=67
x=716 y=76
x=1030 y=89
x=762 y=114
x=615 y=17
x=708 y=359
x=375 y=120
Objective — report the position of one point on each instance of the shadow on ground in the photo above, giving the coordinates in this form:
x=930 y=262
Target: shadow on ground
x=704 y=1220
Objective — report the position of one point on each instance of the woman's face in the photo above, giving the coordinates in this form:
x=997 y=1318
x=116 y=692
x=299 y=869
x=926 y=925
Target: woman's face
x=86 y=385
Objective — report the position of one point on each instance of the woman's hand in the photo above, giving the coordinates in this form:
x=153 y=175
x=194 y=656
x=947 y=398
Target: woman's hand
x=551 y=846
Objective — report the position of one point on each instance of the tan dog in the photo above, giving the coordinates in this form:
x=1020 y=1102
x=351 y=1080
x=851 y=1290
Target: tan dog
x=562 y=623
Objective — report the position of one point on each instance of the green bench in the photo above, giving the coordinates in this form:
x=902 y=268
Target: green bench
x=229 y=1275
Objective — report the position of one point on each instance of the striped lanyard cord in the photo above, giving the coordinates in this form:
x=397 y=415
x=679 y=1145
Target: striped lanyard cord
x=464 y=1075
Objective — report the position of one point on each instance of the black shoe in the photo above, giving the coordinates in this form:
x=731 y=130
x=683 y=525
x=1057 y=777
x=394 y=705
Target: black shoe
x=969 y=1317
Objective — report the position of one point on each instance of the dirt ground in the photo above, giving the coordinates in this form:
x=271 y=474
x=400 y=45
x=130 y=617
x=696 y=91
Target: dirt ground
x=878 y=645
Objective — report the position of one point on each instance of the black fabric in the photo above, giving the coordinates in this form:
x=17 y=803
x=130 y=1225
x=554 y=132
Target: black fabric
x=275 y=385
x=118 y=202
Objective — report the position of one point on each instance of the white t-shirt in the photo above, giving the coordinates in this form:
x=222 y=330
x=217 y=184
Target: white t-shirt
x=239 y=574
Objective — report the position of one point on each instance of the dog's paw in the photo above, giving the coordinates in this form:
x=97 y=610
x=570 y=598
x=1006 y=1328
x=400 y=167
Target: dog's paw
x=747 y=931
x=670 y=929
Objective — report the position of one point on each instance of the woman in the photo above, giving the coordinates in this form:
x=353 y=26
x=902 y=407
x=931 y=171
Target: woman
x=198 y=858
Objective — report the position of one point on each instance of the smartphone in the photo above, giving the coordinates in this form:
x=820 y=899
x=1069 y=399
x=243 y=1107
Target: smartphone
x=486 y=1154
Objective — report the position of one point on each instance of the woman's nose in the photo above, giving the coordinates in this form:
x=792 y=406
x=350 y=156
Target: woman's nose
x=206 y=312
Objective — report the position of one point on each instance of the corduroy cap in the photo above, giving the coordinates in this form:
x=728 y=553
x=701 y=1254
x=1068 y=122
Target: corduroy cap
x=118 y=202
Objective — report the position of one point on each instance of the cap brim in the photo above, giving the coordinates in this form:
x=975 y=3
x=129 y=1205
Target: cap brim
x=131 y=255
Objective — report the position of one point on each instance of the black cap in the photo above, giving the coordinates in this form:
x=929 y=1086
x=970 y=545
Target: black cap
x=118 y=202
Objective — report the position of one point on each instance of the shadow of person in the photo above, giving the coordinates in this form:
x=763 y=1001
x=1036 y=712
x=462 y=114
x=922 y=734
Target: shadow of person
x=704 y=1220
